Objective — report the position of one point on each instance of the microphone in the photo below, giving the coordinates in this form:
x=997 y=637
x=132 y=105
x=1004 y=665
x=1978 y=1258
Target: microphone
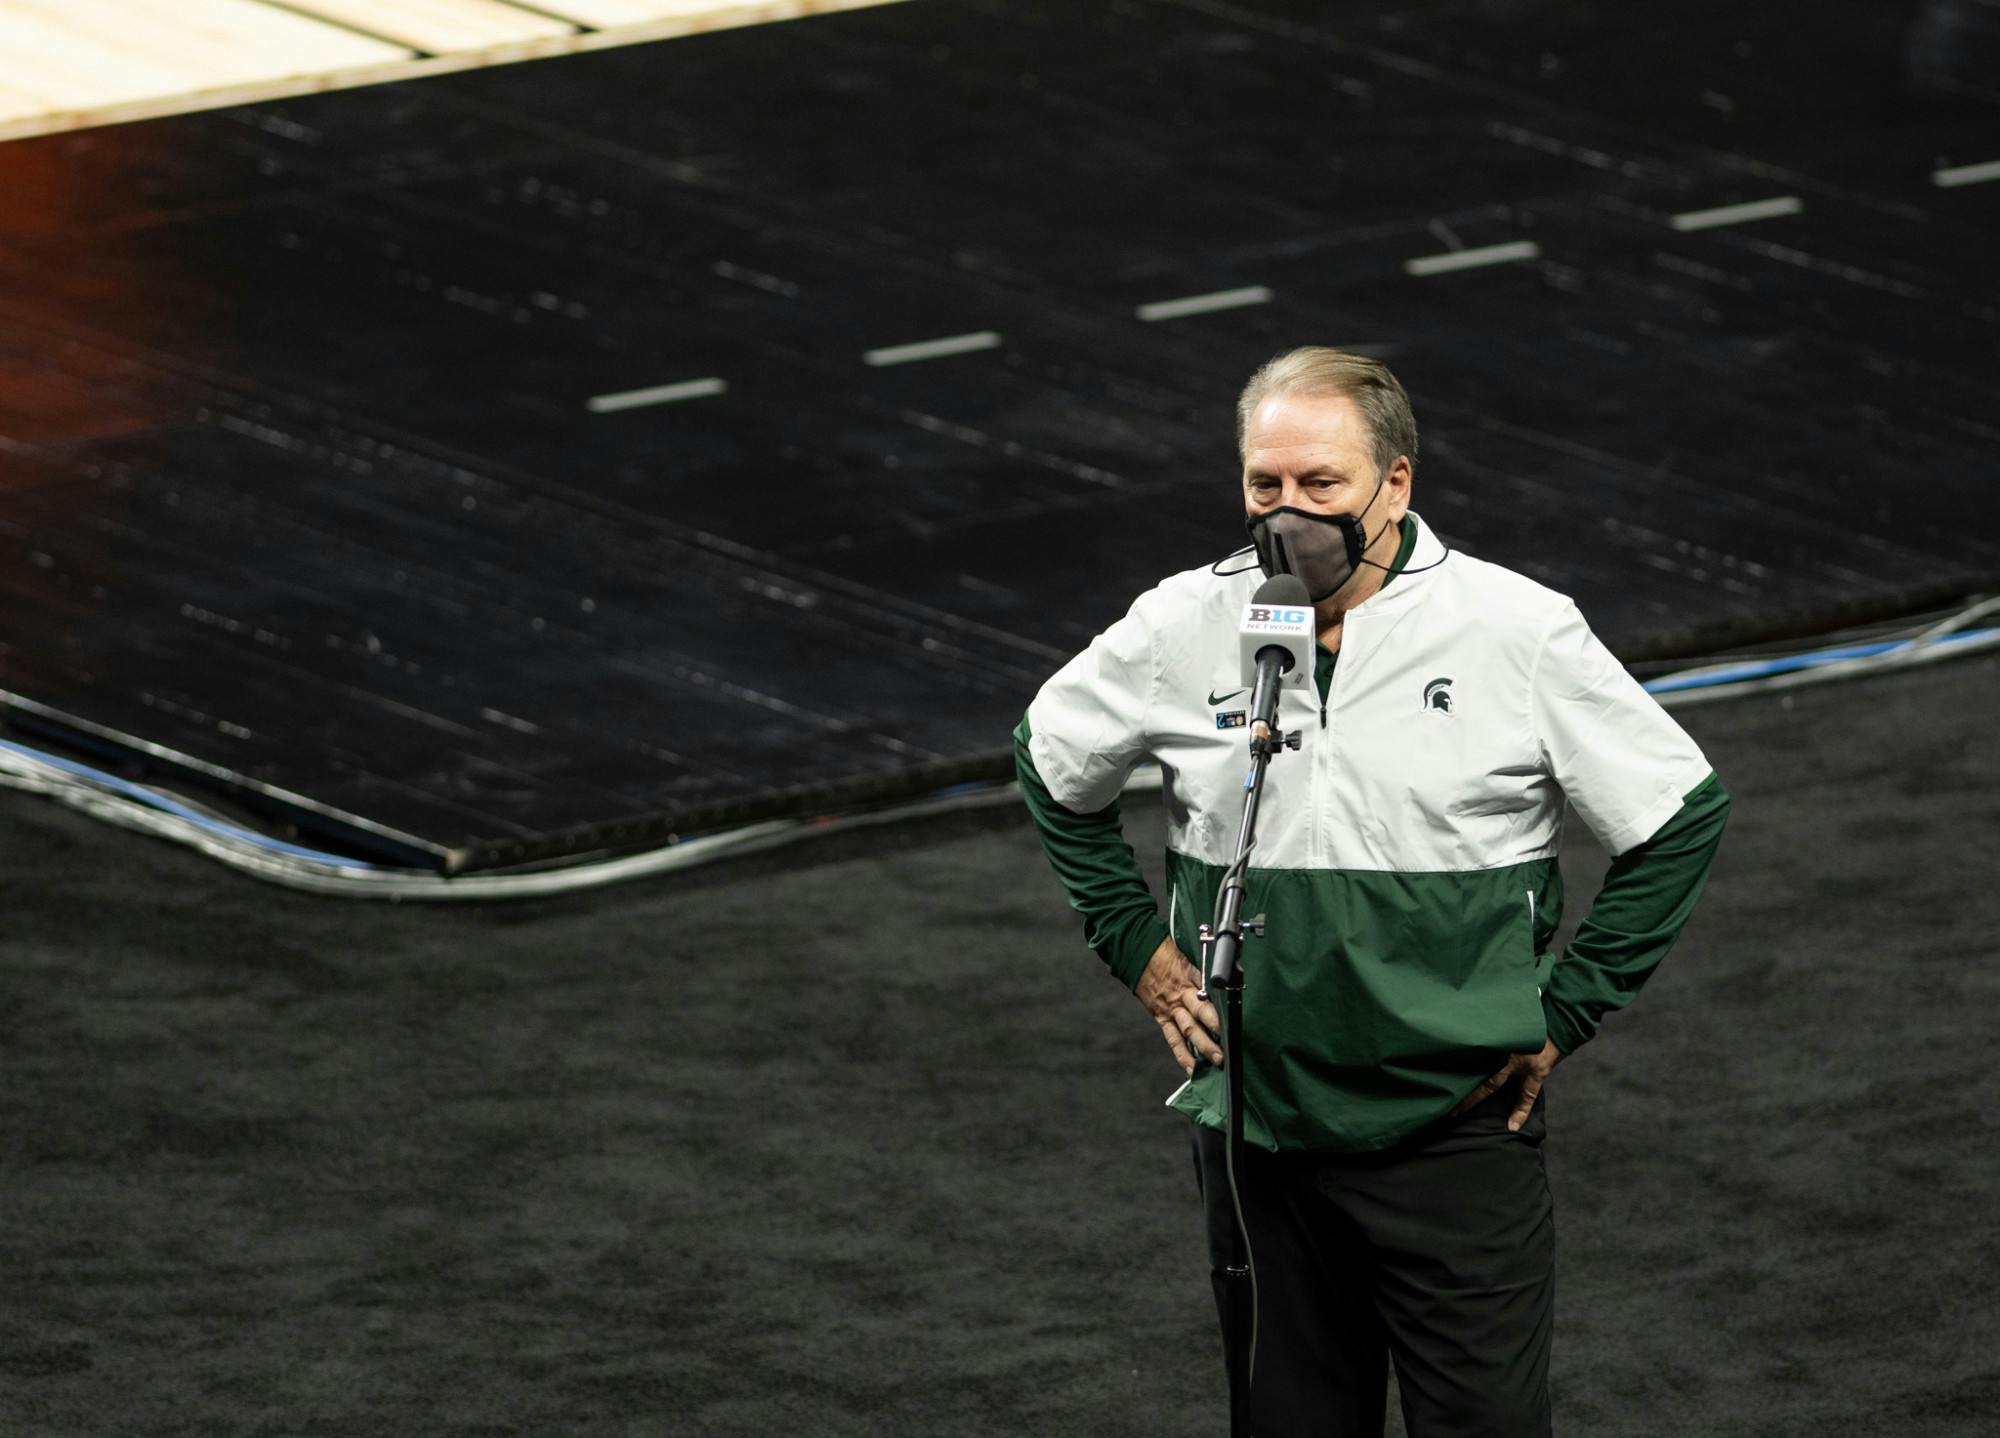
x=1276 y=644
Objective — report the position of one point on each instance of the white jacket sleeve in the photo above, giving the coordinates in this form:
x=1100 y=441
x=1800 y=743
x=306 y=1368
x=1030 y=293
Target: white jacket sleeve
x=1620 y=759
x=1088 y=723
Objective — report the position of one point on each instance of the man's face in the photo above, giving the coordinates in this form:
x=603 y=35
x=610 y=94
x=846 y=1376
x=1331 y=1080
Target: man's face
x=1313 y=452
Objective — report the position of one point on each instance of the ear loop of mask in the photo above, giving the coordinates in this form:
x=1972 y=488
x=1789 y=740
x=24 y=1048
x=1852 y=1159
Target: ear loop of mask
x=1288 y=557
x=1420 y=569
x=1367 y=543
x=1387 y=568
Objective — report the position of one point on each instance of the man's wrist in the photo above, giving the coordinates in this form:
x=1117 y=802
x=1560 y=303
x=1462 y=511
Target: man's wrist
x=1564 y=1028
x=1127 y=952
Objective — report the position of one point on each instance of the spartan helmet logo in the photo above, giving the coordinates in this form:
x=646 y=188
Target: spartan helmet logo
x=1437 y=696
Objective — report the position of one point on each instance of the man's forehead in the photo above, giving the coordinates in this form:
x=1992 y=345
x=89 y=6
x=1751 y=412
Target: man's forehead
x=1294 y=418
x=1286 y=428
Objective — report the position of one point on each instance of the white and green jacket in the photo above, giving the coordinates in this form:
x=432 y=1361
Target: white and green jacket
x=1406 y=853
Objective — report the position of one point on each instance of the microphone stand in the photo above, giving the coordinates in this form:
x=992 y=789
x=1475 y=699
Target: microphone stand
x=1221 y=948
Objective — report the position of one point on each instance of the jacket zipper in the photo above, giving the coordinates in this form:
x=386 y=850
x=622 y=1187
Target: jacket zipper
x=1320 y=765
x=1532 y=946
x=1331 y=680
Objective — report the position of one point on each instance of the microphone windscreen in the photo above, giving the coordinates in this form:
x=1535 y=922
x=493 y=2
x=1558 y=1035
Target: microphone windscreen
x=1282 y=589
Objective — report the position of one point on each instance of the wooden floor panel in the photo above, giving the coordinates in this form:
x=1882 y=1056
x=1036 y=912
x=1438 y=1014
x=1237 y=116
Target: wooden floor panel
x=102 y=62
x=438 y=27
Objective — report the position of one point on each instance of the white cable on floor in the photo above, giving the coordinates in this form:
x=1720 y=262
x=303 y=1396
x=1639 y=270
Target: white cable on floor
x=256 y=856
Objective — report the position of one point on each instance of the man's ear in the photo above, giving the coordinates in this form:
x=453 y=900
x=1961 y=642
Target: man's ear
x=1400 y=480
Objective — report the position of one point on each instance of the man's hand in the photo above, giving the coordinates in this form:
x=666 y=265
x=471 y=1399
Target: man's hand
x=1531 y=1069
x=1171 y=991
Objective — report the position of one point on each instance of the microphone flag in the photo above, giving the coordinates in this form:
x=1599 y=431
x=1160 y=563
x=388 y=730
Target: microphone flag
x=1279 y=616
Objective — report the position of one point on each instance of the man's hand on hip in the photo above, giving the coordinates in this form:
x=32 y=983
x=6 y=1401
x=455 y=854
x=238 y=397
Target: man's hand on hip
x=1170 y=988
x=1530 y=1069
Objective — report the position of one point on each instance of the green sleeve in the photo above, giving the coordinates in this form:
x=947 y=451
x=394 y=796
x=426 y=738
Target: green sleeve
x=1647 y=897
x=1097 y=869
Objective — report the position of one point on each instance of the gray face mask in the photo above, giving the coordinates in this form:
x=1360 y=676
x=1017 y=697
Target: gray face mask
x=1323 y=550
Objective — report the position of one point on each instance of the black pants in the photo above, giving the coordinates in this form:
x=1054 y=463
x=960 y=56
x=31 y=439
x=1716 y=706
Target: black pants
x=1440 y=1251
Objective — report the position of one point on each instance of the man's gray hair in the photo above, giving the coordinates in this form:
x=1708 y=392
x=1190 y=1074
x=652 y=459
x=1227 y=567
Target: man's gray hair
x=1320 y=370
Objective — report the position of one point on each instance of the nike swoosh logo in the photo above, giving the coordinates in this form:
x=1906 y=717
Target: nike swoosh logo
x=1215 y=699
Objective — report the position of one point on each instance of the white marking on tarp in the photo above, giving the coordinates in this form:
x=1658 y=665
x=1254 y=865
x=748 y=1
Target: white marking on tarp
x=657 y=394
x=1204 y=304
x=1769 y=209
x=1956 y=175
x=1472 y=259
x=932 y=349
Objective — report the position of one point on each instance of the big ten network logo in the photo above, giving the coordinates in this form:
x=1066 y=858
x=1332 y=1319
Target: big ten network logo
x=1261 y=614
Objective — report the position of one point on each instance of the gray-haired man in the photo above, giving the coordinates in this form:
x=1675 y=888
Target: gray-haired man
x=1403 y=1011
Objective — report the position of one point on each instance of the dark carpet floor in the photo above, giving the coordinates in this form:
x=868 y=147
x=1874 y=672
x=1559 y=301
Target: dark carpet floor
x=857 y=1139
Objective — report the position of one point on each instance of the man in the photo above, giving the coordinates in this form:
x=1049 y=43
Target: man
x=1402 y=1013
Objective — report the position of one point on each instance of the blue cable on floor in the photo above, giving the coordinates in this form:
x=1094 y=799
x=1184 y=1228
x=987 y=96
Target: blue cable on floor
x=152 y=799
x=1791 y=663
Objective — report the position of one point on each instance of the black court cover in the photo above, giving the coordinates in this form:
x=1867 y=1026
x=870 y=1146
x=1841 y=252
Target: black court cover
x=570 y=454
